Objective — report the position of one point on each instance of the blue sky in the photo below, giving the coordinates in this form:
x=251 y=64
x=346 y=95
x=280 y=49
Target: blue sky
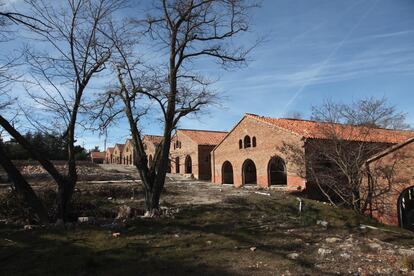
x=314 y=50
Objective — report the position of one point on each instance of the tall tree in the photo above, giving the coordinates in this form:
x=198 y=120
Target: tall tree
x=186 y=32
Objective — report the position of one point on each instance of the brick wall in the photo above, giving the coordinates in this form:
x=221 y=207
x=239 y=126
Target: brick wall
x=187 y=148
x=389 y=186
x=269 y=139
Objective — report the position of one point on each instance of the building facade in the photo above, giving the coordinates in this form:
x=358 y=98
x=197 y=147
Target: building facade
x=390 y=179
x=252 y=152
x=190 y=152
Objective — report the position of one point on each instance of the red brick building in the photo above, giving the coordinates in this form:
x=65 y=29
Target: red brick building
x=390 y=175
x=190 y=152
x=109 y=155
x=117 y=155
x=128 y=153
x=151 y=143
x=97 y=157
x=250 y=153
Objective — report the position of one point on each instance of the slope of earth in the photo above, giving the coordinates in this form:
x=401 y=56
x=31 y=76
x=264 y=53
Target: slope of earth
x=213 y=230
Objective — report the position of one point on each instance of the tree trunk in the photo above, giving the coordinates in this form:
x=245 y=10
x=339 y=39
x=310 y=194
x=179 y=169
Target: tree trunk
x=23 y=189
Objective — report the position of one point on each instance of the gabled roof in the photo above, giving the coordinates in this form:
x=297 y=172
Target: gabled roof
x=156 y=139
x=318 y=130
x=390 y=150
x=120 y=147
x=97 y=154
x=110 y=149
x=204 y=137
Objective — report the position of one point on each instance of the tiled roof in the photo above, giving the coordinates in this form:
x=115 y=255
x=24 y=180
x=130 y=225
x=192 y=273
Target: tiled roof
x=97 y=154
x=110 y=149
x=156 y=139
x=318 y=130
x=204 y=137
x=390 y=150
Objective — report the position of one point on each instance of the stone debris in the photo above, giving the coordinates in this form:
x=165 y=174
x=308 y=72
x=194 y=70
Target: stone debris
x=253 y=248
x=322 y=223
x=116 y=234
x=292 y=256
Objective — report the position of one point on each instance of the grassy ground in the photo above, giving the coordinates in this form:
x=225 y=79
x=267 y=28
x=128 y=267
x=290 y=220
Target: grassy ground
x=243 y=234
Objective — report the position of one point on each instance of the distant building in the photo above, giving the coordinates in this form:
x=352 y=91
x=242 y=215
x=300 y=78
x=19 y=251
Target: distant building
x=109 y=155
x=190 y=152
x=151 y=142
x=118 y=158
x=97 y=157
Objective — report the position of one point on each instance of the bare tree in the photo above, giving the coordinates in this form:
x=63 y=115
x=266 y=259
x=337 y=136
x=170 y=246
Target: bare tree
x=185 y=31
x=77 y=52
x=335 y=162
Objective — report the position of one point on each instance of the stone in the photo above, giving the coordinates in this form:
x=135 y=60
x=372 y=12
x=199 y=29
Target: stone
x=374 y=246
x=332 y=240
x=324 y=251
x=116 y=234
x=86 y=219
x=124 y=212
x=28 y=227
x=406 y=252
x=345 y=255
x=253 y=248
x=292 y=256
x=322 y=223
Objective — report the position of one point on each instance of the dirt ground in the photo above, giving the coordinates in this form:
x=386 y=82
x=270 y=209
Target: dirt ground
x=206 y=229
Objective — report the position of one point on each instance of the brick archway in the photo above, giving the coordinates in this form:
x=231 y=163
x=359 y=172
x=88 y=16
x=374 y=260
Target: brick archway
x=249 y=173
x=227 y=173
x=177 y=164
x=405 y=206
x=188 y=165
x=276 y=171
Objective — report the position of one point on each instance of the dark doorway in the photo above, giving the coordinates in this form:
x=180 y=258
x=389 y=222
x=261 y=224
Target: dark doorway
x=277 y=171
x=227 y=173
x=406 y=209
x=177 y=164
x=188 y=164
x=249 y=172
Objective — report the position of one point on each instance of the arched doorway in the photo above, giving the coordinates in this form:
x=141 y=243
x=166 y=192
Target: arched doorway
x=227 y=173
x=169 y=166
x=406 y=209
x=276 y=171
x=249 y=172
x=150 y=161
x=188 y=164
x=177 y=164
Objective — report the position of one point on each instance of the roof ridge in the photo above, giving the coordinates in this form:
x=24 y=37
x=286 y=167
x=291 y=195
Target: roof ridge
x=201 y=130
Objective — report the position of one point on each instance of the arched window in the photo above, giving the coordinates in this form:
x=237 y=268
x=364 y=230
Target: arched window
x=277 y=171
x=227 y=173
x=177 y=164
x=249 y=172
x=240 y=144
x=406 y=209
x=247 y=142
x=254 y=141
x=188 y=164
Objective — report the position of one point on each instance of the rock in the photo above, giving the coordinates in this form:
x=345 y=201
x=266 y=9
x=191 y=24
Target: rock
x=28 y=227
x=374 y=246
x=292 y=256
x=322 y=223
x=176 y=236
x=324 y=251
x=116 y=234
x=345 y=255
x=86 y=219
x=253 y=248
x=332 y=240
x=124 y=212
x=406 y=252
x=209 y=242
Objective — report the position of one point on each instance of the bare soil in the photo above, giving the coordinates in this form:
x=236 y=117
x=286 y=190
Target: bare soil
x=206 y=229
